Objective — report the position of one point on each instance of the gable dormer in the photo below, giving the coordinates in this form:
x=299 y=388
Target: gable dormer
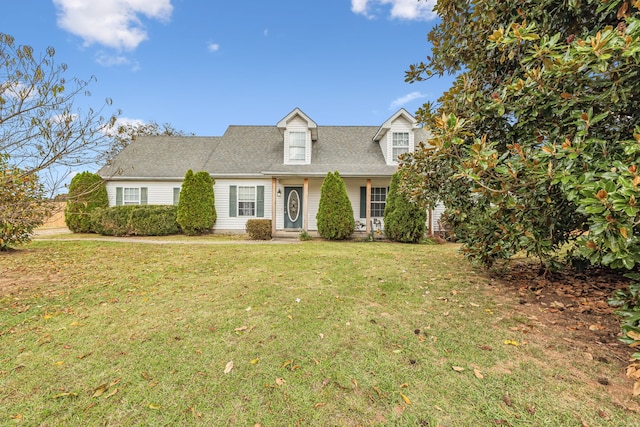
x=397 y=136
x=298 y=131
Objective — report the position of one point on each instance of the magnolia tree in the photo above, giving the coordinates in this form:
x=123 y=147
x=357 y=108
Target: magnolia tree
x=536 y=145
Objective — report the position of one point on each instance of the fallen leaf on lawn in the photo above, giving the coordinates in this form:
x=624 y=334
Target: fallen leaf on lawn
x=512 y=342
x=472 y=304
x=457 y=368
x=146 y=376
x=489 y=311
x=241 y=328
x=229 y=367
x=280 y=381
x=636 y=389
x=111 y=393
x=397 y=351
x=287 y=363
x=97 y=392
x=377 y=390
x=403 y=385
x=405 y=398
x=255 y=361
x=478 y=374
x=438 y=408
x=290 y=317
x=83 y=356
x=59 y=363
x=486 y=348
x=355 y=383
x=153 y=384
x=154 y=406
x=633 y=335
x=321 y=336
x=454 y=292
x=247 y=309
x=67 y=394
x=319 y=405
x=16 y=417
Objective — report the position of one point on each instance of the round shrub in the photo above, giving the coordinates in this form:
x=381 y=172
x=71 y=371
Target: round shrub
x=87 y=192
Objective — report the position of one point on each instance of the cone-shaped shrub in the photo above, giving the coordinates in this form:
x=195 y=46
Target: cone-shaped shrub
x=404 y=221
x=87 y=191
x=335 y=214
x=196 y=207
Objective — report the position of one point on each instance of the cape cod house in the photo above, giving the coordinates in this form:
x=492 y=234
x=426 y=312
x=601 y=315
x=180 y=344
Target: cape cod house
x=271 y=172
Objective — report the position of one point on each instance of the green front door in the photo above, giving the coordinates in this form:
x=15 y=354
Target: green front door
x=293 y=207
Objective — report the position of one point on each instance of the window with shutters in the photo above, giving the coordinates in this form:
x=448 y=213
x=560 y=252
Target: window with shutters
x=131 y=196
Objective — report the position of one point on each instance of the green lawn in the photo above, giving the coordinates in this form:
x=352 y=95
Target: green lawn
x=313 y=333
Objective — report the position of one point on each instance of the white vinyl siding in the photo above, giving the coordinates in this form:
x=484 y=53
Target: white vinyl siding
x=157 y=193
x=297 y=143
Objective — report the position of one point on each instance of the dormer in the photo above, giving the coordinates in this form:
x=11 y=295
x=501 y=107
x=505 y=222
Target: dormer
x=299 y=131
x=396 y=136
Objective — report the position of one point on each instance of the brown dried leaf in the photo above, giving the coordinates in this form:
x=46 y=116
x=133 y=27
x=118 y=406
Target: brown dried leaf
x=478 y=374
x=111 y=393
x=97 y=392
x=280 y=381
x=457 y=368
x=405 y=398
x=229 y=367
x=636 y=389
x=319 y=405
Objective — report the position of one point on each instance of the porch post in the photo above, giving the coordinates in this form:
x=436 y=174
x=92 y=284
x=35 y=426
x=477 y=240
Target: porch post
x=274 y=183
x=305 y=201
x=368 y=206
x=430 y=213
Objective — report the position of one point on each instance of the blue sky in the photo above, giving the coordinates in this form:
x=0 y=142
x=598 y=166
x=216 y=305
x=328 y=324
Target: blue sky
x=202 y=65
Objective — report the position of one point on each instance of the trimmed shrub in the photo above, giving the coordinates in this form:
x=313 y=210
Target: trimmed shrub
x=197 y=206
x=87 y=192
x=335 y=213
x=136 y=220
x=259 y=229
x=404 y=221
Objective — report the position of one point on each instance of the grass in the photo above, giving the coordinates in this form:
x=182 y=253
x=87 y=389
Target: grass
x=319 y=333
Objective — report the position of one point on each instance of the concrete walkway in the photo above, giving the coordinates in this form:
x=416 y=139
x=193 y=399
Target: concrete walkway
x=47 y=233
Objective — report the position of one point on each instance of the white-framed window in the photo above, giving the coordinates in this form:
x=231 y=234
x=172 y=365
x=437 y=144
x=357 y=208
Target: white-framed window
x=131 y=196
x=400 y=144
x=297 y=146
x=378 y=201
x=246 y=201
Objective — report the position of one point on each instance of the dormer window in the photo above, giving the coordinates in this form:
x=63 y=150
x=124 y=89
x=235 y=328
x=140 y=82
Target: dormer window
x=297 y=146
x=400 y=144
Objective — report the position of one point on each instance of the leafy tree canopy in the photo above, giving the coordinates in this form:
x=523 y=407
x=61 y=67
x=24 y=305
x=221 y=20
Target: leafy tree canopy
x=536 y=143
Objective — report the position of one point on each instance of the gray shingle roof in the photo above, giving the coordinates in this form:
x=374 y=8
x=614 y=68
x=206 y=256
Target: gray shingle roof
x=251 y=151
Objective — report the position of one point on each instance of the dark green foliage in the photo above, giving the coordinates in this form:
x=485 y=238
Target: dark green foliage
x=136 y=220
x=535 y=147
x=627 y=303
x=404 y=220
x=196 y=208
x=335 y=213
x=87 y=192
x=259 y=229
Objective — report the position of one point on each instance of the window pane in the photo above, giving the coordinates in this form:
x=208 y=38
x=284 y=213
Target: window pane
x=246 y=201
x=378 y=201
x=131 y=196
x=400 y=144
x=297 y=145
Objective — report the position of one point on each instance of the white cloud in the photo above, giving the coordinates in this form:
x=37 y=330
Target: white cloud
x=213 y=47
x=400 y=9
x=112 y=23
x=406 y=99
